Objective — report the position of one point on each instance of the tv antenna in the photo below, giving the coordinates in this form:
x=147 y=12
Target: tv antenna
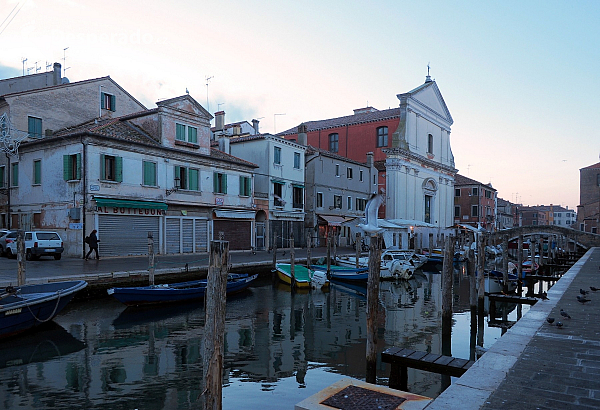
x=207 y=79
x=36 y=67
x=219 y=106
x=23 y=60
x=48 y=65
x=275 y=123
x=65 y=68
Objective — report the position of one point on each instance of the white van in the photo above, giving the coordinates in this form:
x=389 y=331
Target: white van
x=38 y=244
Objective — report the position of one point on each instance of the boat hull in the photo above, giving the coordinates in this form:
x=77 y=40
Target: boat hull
x=176 y=292
x=304 y=278
x=35 y=305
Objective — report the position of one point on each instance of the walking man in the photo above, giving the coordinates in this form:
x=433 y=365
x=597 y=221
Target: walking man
x=92 y=241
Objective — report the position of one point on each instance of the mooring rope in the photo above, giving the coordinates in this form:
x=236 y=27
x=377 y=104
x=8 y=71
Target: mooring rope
x=51 y=315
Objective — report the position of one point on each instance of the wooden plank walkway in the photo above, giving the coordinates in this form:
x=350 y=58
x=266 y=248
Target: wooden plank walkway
x=401 y=359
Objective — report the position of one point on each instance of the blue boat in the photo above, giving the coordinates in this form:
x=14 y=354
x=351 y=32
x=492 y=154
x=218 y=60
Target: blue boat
x=176 y=292
x=344 y=273
x=25 y=307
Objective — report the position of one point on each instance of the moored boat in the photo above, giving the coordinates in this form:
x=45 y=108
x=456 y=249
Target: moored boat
x=176 y=292
x=343 y=273
x=303 y=276
x=395 y=263
x=27 y=306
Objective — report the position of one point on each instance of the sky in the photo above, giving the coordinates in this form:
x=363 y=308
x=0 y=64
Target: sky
x=519 y=77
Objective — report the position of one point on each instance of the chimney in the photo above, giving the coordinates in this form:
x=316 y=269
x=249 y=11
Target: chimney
x=237 y=129
x=302 y=137
x=369 y=159
x=255 y=126
x=56 y=78
x=224 y=143
x=220 y=120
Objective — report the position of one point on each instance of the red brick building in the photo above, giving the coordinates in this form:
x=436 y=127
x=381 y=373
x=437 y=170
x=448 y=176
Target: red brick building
x=588 y=210
x=474 y=203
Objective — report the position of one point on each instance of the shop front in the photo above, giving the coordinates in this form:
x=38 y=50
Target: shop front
x=234 y=226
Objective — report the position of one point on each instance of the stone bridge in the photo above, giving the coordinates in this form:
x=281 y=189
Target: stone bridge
x=586 y=240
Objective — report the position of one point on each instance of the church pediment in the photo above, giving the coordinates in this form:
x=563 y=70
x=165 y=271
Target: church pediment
x=186 y=103
x=429 y=98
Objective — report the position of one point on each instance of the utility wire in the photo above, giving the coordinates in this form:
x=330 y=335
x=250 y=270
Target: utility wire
x=13 y=16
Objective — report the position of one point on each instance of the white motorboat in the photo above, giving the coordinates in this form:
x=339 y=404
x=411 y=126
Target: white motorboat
x=395 y=263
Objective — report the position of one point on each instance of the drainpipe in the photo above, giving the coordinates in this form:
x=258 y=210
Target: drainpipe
x=8 y=194
x=84 y=192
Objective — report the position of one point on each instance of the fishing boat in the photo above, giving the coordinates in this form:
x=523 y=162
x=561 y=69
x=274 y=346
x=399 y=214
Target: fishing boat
x=303 y=277
x=395 y=263
x=176 y=292
x=343 y=273
x=25 y=307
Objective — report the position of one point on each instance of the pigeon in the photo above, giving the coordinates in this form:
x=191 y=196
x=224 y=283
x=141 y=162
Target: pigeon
x=559 y=324
x=582 y=299
x=544 y=296
x=583 y=292
x=550 y=320
x=594 y=288
x=371 y=210
x=564 y=314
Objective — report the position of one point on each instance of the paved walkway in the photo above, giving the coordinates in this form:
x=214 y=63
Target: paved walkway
x=536 y=365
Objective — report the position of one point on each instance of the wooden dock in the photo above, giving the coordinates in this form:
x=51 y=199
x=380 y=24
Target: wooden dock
x=500 y=297
x=401 y=359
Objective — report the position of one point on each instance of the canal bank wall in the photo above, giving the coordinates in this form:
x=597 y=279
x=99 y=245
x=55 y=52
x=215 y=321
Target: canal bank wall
x=536 y=364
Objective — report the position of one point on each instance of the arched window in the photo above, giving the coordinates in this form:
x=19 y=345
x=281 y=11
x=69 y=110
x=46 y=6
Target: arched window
x=333 y=142
x=430 y=144
x=382 y=137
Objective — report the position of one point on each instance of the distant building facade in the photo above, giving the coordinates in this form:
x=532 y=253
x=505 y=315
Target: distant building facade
x=474 y=203
x=504 y=214
x=588 y=210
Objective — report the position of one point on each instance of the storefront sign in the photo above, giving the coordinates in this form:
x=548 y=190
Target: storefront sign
x=75 y=226
x=130 y=211
x=94 y=187
x=219 y=201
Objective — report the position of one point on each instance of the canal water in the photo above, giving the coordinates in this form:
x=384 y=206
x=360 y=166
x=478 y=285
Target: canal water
x=280 y=347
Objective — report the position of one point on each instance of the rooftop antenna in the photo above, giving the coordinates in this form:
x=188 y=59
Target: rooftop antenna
x=36 y=67
x=207 y=79
x=48 y=65
x=275 y=123
x=219 y=106
x=23 y=60
x=29 y=69
x=468 y=169
x=65 y=61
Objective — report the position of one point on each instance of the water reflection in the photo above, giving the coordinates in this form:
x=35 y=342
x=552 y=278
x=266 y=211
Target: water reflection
x=280 y=347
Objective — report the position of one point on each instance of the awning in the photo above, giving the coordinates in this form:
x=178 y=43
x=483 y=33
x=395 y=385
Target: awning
x=127 y=203
x=277 y=181
x=289 y=214
x=233 y=214
x=333 y=220
x=298 y=186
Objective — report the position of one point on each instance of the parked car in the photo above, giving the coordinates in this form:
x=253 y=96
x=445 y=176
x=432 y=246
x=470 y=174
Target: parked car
x=38 y=244
x=6 y=237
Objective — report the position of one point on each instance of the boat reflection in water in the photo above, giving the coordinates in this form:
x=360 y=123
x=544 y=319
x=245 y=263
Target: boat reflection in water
x=280 y=347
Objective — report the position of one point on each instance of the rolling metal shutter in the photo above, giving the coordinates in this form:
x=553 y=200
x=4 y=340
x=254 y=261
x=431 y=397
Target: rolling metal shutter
x=201 y=235
x=186 y=235
x=173 y=235
x=126 y=235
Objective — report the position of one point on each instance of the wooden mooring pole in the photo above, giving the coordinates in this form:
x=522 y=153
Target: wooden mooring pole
x=447 y=281
x=292 y=259
x=505 y=263
x=520 y=265
x=214 y=324
x=375 y=246
x=308 y=250
x=150 y=258
x=358 y=246
x=328 y=254
x=20 y=258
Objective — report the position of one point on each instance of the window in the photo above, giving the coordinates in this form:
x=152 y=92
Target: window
x=319 y=199
x=14 y=174
x=193 y=180
x=37 y=220
x=296 y=160
x=457 y=211
x=108 y=102
x=360 y=175
x=188 y=178
x=361 y=204
x=111 y=168
x=333 y=142
x=428 y=208
x=72 y=167
x=37 y=172
x=456 y=191
x=298 y=197
x=337 y=170
x=2 y=176
x=349 y=203
x=474 y=210
x=488 y=194
x=598 y=179
x=475 y=191
x=219 y=183
x=149 y=173
x=337 y=201
x=382 y=137
x=34 y=127
x=278 y=194
x=375 y=179
x=245 y=186
x=277 y=155
x=193 y=135
x=180 y=132
x=349 y=173
x=430 y=144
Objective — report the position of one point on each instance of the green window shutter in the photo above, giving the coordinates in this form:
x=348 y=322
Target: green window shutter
x=149 y=173
x=102 y=104
x=242 y=185
x=102 y=167
x=1 y=177
x=119 y=169
x=180 y=132
x=67 y=170
x=249 y=186
x=37 y=172
x=215 y=182
x=177 y=175
x=193 y=180
x=113 y=103
x=15 y=174
x=224 y=183
x=193 y=135
x=78 y=172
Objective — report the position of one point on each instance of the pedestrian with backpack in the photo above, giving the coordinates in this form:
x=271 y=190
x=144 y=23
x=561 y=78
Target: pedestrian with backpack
x=92 y=241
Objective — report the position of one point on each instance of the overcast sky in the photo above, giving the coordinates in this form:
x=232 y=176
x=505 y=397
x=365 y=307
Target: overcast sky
x=519 y=77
